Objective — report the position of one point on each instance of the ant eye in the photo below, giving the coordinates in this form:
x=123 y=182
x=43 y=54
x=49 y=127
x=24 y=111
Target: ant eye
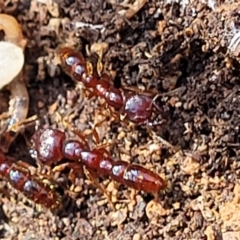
x=70 y=61
x=79 y=70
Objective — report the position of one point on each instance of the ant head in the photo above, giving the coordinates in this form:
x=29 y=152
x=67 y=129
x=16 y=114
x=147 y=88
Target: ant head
x=69 y=58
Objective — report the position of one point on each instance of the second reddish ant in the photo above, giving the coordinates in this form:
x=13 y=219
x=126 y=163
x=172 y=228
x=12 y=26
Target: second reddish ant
x=50 y=146
x=134 y=107
x=32 y=186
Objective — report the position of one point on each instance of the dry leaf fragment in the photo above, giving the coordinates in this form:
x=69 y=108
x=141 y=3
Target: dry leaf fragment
x=11 y=62
x=132 y=8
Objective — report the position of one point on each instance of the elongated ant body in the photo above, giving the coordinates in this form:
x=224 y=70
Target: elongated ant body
x=32 y=186
x=50 y=146
x=135 y=107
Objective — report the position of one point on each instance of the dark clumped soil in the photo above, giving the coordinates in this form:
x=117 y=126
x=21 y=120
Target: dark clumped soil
x=186 y=50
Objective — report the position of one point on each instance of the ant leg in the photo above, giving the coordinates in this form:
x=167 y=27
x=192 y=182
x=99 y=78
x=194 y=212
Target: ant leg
x=133 y=196
x=100 y=65
x=157 y=107
x=164 y=142
x=90 y=96
x=115 y=116
x=112 y=112
x=94 y=130
x=76 y=170
x=41 y=166
x=150 y=124
x=64 y=122
x=156 y=197
x=61 y=167
x=81 y=136
x=102 y=148
x=140 y=91
x=22 y=166
x=95 y=135
x=16 y=127
x=12 y=131
x=93 y=178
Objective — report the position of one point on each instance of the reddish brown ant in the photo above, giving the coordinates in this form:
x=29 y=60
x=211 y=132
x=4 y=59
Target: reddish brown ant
x=32 y=186
x=135 y=107
x=50 y=146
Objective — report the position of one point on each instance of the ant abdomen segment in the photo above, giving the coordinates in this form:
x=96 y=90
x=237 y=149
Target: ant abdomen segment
x=143 y=179
x=137 y=177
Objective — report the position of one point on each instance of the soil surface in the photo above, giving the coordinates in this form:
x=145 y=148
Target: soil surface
x=186 y=50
